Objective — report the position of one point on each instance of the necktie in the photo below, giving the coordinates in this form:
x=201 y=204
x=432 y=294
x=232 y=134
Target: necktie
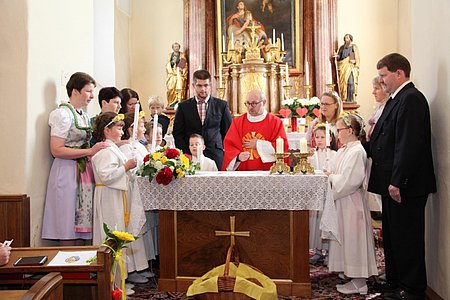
x=201 y=106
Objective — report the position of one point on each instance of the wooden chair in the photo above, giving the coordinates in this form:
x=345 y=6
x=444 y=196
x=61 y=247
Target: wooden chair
x=49 y=287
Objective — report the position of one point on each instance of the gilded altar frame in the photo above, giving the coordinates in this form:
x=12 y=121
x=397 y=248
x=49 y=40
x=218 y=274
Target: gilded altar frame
x=286 y=18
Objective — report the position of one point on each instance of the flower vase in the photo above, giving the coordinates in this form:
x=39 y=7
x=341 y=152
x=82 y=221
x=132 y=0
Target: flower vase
x=294 y=124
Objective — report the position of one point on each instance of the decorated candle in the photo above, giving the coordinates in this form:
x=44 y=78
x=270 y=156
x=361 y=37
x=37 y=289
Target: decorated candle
x=154 y=133
x=135 y=122
x=303 y=145
x=327 y=135
x=282 y=42
x=287 y=74
x=280 y=145
x=306 y=72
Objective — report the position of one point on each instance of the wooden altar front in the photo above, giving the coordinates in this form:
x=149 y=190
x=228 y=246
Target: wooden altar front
x=242 y=78
x=273 y=210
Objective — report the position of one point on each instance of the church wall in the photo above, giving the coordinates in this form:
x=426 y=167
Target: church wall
x=61 y=42
x=431 y=69
x=13 y=87
x=374 y=27
x=154 y=27
x=122 y=48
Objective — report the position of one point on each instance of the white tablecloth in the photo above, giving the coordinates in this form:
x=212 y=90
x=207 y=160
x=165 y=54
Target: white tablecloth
x=241 y=190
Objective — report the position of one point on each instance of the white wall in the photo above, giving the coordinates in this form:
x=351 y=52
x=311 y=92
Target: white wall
x=155 y=26
x=374 y=26
x=430 y=46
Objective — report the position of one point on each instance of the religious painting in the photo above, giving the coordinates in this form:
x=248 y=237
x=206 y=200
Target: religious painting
x=271 y=18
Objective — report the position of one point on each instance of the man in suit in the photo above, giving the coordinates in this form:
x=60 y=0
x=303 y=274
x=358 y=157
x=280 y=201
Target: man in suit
x=205 y=115
x=403 y=174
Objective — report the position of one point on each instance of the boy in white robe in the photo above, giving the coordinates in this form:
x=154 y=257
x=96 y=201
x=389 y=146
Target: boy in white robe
x=196 y=146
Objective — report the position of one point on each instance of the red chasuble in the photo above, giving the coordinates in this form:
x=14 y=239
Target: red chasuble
x=241 y=129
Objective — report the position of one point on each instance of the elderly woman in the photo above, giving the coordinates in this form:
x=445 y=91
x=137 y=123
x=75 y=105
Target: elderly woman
x=330 y=109
x=381 y=98
x=156 y=105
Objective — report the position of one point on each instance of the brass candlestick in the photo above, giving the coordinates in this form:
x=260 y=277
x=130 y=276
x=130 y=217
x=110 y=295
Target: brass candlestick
x=303 y=164
x=279 y=165
x=232 y=56
x=330 y=86
x=308 y=90
x=287 y=89
x=220 y=92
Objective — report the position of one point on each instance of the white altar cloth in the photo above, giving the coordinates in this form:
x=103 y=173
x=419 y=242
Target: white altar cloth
x=243 y=190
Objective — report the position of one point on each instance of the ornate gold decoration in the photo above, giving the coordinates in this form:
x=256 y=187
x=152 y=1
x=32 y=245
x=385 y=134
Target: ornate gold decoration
x=279 y=165
x=287 y=91
x=232 y=233
x=330 y=86
x=220 y=92
x=308 y=90
x=303 y=164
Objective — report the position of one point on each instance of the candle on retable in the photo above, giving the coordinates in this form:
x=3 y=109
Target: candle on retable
x=154 y=133
x=306 y=72
x=220 y=77
x=282 y=42
x=232 y=41
x=274 y=38
x=330 y=75
x=135 y=122
x=327 y=135
x=303 y=145
x=280 y=145
x=287 y=74
x=223 y=43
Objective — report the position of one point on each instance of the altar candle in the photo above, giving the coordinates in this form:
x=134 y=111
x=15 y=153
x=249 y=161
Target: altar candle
x=330 y=75
x=303 y=145
x=274 y=38
x=232 y=41
x=220 y=77
x=178 y=86
x=135 y=122
x=287 y=74
x=154 y=133
x=282 y=42
x=280 y=145
x=327 y=134
x=223 y=43
x=306 y=72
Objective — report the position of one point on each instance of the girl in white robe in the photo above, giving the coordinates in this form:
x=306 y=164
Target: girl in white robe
x=112 y=176
x=355 y=254
x=321 y=160
x=137 y=256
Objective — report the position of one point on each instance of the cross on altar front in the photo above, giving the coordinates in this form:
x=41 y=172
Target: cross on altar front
x=232 y=233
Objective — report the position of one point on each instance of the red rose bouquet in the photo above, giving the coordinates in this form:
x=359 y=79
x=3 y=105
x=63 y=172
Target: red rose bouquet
x=167 y=164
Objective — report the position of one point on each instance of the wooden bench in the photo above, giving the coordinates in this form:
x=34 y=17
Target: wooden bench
x=80 y=282
x=49 y=287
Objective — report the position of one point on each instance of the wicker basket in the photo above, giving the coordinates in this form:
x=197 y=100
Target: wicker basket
x=226 y=283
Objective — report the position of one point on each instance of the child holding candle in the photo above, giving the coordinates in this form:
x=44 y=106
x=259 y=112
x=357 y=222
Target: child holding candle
x=320 y=160
x=355 y=254
x=112 y=177
x=196 y=146
x=137 y=257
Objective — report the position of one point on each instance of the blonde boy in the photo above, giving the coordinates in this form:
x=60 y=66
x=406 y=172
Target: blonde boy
x=196 y=146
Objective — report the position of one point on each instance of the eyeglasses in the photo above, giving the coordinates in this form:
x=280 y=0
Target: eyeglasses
x=339 y=129
x=253 y=104
x=326 y=104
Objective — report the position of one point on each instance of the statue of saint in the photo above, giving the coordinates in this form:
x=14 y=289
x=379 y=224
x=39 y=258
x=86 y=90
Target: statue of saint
x=176 y=69
x=348 y=69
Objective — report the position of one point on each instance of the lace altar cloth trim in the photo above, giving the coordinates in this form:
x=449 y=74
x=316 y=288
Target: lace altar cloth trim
x=237 y=191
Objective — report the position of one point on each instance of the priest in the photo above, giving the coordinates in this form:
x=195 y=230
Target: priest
x=250 y=142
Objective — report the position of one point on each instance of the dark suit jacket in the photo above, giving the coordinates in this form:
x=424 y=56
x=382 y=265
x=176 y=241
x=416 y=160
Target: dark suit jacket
x=400 y=146
x=217 y=121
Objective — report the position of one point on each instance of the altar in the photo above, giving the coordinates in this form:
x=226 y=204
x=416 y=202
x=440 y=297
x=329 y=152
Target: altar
x=266 y=216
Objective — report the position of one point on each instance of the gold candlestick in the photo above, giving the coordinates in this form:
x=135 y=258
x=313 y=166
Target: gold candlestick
x=279 y=166
x=232 y=56
x=287 y=89
x=308 y=90
x=330 y=86
x=220 y=92
x=303 y=164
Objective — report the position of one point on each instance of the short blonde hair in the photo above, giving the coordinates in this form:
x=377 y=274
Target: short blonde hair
x=155 y=101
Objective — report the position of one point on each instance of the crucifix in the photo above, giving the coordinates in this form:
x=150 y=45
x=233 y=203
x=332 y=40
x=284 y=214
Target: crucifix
x=232 y=233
